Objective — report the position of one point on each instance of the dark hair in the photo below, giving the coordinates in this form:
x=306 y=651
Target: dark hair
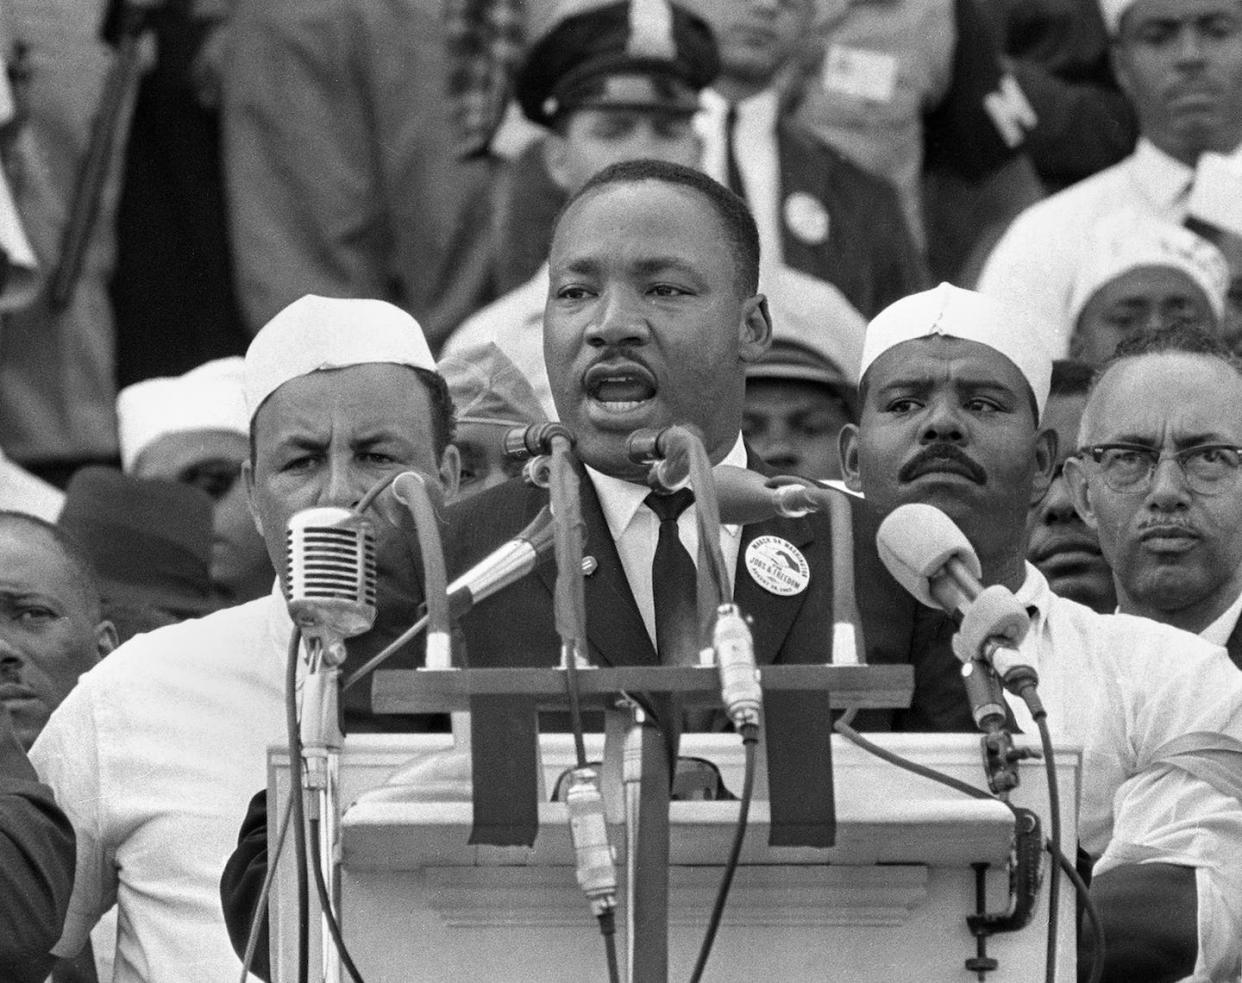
x=1070 y=378
x=79 y=562
x=443 y=425
x=1183 y=338
x=735 y=218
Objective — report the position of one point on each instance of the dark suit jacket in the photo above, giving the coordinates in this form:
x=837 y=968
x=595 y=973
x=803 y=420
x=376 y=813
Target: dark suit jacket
x=36 y=865
x=1233 y=645
x=869 y=254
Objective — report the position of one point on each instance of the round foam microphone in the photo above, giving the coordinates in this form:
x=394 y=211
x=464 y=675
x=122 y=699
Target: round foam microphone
x=916 y=542
x=330 y=573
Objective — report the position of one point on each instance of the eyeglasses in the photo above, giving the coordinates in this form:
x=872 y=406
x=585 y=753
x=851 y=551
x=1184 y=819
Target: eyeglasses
x=1208 y=469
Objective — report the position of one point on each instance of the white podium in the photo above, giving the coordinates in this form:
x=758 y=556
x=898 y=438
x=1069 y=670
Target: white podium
x=887 y=903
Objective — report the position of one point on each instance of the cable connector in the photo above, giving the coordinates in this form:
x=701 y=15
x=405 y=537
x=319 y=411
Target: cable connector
x=735 y=660
x=597 y=872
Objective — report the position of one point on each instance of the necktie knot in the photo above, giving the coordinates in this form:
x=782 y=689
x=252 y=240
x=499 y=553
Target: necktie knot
x=668 y=508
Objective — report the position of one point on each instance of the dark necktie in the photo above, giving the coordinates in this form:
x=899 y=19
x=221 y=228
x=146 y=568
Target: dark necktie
x=733 y=173
x=673 y=582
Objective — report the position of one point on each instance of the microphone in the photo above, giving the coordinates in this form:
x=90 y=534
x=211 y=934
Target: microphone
x=746 y=496
x=735 y=659
x=665 y=452
x=931 y=558
x=331 y=576
x=521 y=443
x=509 y=563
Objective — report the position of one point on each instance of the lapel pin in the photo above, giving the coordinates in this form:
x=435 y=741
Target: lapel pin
x=589 y=565
x=777 y=566
x=806 y=218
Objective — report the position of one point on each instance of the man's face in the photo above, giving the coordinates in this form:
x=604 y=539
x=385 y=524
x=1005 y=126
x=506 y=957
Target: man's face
x=1170 y=547
x=793 y=425
x=1142 y=299
x=950 y=423
x=50 y=629
x=756 y=37
x=596 y=138
x=484 y=463
x=645 y=325
x=1180 y=62
x=211 y=460
x=1059 y=543
x=328 y=437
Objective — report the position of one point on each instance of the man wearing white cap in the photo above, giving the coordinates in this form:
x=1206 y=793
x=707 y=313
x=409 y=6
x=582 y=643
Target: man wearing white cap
x=952 y=390
x=194 y=428
x=1142 y=274
x=156 y=752
x=1180 y=63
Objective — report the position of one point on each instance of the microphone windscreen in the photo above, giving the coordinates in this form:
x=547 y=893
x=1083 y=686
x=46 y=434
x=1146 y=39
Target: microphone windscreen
x=915 y=541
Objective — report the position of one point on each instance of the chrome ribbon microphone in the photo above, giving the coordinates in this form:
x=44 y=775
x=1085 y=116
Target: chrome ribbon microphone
x=331 y=577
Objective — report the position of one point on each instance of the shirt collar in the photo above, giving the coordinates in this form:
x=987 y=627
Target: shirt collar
x=621 y=499
x=760 y=110
x=1162 y=178
x=1218 y=631
x=1035 y=595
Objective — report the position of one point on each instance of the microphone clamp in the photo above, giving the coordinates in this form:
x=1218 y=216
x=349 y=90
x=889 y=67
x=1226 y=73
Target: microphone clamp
x=521 y=443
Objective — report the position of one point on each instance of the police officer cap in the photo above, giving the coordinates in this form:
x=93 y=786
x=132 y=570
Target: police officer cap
x=576 y=63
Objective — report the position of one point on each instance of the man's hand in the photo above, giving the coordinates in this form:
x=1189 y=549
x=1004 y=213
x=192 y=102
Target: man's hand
x=1150 y=916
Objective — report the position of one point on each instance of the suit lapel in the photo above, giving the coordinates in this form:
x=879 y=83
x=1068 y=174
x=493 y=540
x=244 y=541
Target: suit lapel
x=771 y=614
x=614 y=629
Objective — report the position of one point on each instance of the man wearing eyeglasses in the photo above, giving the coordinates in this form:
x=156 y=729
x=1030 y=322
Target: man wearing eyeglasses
x=1159 y=476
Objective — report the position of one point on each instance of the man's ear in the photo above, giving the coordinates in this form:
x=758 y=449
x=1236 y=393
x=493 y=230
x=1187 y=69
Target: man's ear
x=556 y=159
x=106 y=638
x=450 y=472
x=1045 y=464
x=847 y=448
x=755 y=329
x=248 y=477
x=1080 y=491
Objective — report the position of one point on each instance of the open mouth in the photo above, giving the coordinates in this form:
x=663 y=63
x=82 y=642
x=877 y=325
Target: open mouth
x=619 y=388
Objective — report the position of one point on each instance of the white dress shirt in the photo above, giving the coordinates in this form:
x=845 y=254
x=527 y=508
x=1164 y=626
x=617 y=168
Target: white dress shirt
x=636 y=530
x=1218 y=631
x=757 y=156
x=1035 y=262
x=154 y=757
x=1124 y=688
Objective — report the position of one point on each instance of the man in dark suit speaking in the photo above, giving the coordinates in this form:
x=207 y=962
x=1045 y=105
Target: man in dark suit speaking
x=652 y=317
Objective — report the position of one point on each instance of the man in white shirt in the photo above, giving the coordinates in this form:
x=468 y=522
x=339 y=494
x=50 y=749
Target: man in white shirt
x=951 y=395
x=1159 y=477
x=1181 y=65
x=154 y=755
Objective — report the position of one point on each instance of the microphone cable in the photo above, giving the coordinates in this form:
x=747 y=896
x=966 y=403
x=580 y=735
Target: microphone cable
x=750 y=741
x=1052 y=845
x=321 y=888
x=295 y=798
x=301 y=830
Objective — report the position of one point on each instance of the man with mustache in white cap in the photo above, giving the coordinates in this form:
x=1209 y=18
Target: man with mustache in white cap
x=1180 y=63
x=1158 y=474
x=951 y=391
x=157 y=751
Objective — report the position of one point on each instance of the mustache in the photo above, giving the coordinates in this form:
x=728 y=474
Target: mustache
x=927 y=460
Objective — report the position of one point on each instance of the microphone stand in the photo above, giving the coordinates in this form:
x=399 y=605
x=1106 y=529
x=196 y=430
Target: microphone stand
x=321 y=741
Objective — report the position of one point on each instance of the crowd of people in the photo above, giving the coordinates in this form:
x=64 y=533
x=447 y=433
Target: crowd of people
x=260 y=255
